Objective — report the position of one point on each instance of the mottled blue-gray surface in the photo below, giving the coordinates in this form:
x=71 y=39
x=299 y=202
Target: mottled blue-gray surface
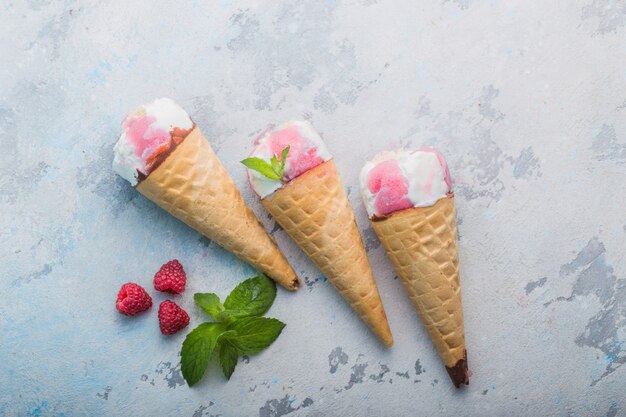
x=526 y=98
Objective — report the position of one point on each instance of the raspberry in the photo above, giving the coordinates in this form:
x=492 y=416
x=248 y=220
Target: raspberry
x=172 y=318
x=132 y=299
x=171 y=278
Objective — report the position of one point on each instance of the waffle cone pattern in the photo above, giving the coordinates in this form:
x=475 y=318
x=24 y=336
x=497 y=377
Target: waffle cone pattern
x=314 y=210
x=193 y=186
x=422 y=245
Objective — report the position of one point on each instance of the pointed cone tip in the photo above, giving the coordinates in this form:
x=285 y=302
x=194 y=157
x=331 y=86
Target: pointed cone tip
x=459 y=372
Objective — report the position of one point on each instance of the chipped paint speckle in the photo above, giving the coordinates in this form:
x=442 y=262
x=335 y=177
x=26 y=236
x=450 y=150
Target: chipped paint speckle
x=533 y=285
x=607 y=16
x=105 y=394
x=603 y=331
x=358 y=373
x=282 y=406
x=418 y=368
x=336 y=358
x=606 y=145
x=380 y=376
x=526 y=164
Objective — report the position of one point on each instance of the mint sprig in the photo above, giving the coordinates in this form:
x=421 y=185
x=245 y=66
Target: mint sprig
x=274 y=169
x=238 y=329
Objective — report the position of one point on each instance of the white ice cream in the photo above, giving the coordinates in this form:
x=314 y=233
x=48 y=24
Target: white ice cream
x=394 y=181
x=306 y=151
x=146 y=132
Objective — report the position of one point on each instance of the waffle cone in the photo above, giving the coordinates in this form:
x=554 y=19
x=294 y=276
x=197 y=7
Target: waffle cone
x=422 y=245
x=193 y=186
x=314 y=210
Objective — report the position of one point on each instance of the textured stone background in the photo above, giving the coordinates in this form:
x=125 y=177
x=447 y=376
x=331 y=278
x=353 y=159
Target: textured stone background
x=526 y=98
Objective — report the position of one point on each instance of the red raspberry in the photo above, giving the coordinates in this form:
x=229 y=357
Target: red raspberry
x=171 y=278
x=172 y=318
x=132 y=299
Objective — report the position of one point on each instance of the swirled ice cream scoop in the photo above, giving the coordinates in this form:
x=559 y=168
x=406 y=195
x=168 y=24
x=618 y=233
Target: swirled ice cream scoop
x=149 y=134
x=394 y=181
x=306 y=151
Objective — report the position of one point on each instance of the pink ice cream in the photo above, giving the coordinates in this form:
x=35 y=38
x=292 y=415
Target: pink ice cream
x=389 y=186
x=394 y=181
x=148 y=134
x=306 y=151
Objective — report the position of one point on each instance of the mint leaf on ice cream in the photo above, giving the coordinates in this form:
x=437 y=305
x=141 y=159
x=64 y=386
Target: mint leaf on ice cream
x=273 y=170
x=283 y=159
x=262 y=167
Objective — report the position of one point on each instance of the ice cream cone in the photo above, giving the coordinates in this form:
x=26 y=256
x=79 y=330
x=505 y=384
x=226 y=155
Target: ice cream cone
x=314 y=210
x=192 y=185
x=422 y=245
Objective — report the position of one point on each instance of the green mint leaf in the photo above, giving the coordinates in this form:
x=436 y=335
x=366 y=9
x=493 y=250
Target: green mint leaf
x=262 y=167
x=253 y=334
x=276 y=166
x=273 y=170
x=283 y=159
x=228 y=356
x=210 y=303
x=252 y=297
x=197 y=350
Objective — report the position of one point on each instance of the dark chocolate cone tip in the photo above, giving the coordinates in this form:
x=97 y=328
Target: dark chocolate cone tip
x=458 y=373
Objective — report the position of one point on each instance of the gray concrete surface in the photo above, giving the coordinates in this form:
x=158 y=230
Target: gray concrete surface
x=526 y=98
